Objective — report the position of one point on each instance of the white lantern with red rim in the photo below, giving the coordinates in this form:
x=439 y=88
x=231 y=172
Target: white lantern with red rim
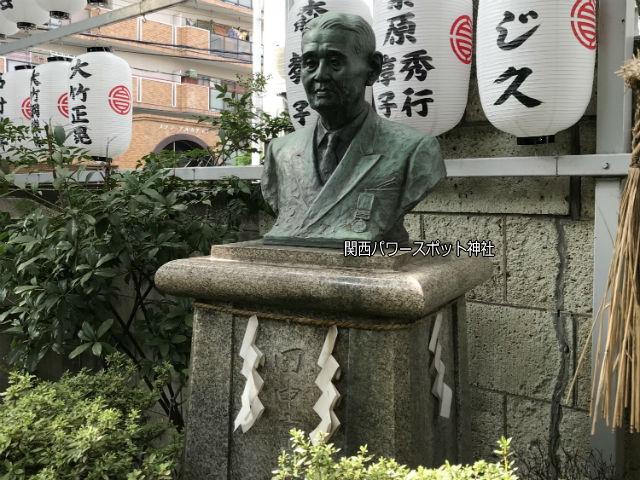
x=17 y=96
x=427 y=49
x=301 y=12
x=100 y=103
x=62 y=9
x=26 y=13
x=535 y=62
x=50 y=93
x=7 y=27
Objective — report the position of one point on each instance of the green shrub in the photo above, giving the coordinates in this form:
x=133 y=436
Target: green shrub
x=66 y=266
x=85 y=426
x=317 y=462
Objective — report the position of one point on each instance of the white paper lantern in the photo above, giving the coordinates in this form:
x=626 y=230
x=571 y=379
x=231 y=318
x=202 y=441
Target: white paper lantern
x=100 y=103
x=7 y=27
x=16 y=93
x=62 y=8
x=300 y=13
x=26 y=13
x=17 y=88
x=50 y=94
x=427 y=50
x=535 y=62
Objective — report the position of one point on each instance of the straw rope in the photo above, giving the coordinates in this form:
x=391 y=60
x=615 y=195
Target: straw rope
x=616 y=387
x=314 y=321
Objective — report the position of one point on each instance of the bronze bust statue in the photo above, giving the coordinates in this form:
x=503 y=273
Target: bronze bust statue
x=353 y=175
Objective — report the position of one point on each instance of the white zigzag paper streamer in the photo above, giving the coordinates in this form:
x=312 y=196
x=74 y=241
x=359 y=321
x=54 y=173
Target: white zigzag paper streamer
x=330 y=369
x=440 y=390
x=251 y=407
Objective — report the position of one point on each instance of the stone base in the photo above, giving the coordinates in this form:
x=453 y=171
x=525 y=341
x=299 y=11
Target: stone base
x=387 y=376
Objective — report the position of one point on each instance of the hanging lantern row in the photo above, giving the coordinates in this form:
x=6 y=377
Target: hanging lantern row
x=90 y=97
x=28 y=14
x=301 y=12
x=535 y=62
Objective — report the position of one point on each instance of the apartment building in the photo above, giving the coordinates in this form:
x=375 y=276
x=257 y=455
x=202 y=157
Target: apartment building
x=176 y=55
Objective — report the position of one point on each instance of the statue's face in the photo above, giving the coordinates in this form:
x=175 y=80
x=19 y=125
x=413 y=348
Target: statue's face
x=334 y=76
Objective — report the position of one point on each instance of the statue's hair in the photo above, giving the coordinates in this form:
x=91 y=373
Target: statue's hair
x=364 y=40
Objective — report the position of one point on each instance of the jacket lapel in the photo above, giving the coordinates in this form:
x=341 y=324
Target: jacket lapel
x=303 y=172
x=358 y=160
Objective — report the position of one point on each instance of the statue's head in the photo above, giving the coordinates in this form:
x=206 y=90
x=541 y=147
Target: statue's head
x=339 y=59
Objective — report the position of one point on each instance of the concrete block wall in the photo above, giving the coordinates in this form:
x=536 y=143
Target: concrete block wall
x=527 y=324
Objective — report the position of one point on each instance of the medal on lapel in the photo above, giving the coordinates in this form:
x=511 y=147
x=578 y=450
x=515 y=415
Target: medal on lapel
x=363 y=212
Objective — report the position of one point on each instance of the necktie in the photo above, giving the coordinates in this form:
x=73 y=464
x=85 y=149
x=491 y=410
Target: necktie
x=329 y=160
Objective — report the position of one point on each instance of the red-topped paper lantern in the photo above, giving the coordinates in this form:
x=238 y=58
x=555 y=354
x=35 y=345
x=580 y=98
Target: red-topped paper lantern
x=26 y=13
x=50 y=93
x=427 y=50
x=62 y=9
x=535 y=62
x=301 y=12
x=100 y=103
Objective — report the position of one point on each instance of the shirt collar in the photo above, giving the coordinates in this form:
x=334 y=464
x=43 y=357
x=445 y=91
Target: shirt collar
x=345 y=133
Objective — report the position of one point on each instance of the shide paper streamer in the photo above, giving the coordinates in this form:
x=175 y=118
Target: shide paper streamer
x=440 y=390
x=330 y=369
x=251 y=408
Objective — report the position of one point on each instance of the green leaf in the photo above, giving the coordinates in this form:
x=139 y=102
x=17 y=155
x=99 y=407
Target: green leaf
x=14 y=330
x=104 y=259
x=154 y=195
x=24 y=265
x=25 y=288
x=78 y=350
x=104 y=327
x=59 y=135
x=88 y=330
x=97 y=349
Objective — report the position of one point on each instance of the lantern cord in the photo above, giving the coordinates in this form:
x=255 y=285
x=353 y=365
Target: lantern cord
x=177 y=46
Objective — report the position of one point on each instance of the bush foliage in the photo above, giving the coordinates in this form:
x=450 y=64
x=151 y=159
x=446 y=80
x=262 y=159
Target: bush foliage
x=66 y=266
x=87 y=426
x=318 y=462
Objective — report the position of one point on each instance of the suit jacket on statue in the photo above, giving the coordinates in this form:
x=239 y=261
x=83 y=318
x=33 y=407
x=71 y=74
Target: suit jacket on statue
x=387 y=169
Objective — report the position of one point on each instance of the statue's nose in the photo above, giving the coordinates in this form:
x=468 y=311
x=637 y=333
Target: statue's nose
x=322 y=72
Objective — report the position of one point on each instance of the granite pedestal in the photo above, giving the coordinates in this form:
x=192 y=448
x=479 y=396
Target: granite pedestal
x=386 y=310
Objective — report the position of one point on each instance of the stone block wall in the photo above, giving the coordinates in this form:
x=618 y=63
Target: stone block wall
x=526 y=325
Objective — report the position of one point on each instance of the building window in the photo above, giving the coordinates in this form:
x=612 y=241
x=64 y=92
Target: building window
x=217 y=104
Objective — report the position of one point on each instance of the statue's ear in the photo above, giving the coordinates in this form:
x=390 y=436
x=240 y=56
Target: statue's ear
x=375 y=62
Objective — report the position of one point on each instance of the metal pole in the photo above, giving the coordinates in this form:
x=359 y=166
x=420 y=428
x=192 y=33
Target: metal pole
x=133 y=10
x=616 y=28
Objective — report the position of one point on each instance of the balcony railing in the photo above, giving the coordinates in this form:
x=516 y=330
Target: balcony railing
x=242 y=3
x=231 y=47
